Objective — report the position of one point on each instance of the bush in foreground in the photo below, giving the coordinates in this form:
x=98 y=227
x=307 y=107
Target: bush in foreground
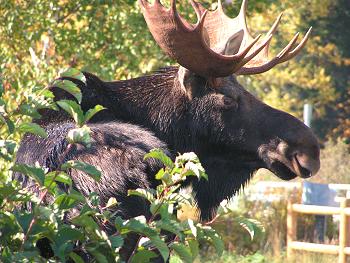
x=83 y=236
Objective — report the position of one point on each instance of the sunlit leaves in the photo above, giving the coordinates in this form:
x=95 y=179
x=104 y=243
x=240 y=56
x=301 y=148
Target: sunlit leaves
x=143 y=256
x=89 y=169
x=252 y=226
x=80 y=135
x=36 y=173
x=183 y=251
x=70 y=87
x=75 y=74
x=73 y=109
x=145 y=193
x=33 y=128
x=92 y=112
x=161 y=156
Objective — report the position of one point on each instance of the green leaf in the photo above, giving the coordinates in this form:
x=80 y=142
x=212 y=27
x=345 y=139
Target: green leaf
x=194 y=246
x=90 y=113
x=85 y=221
x=58 y=177
x=67 y=233
x=98 y=252
x=74 y=73
x=9 y=123
x=180 y=198
x=160 y=155
x=160 y=174
x=187 y=157
x=170 y=226
x=252 y=226
x=89 y=169
x=111 y=202
x=45 y=213
x=75 y=257
x=215 y=238
x=36 y=173
x=28 y=110
x=73 y=109
x=183 y=252
x=195 y=169
x=119 y=224
x=33 y=128
x=70 y=87
x=145 y=193
x=116 y=241
x=80 y=135
x=161 y=246
x=67 y=201
x=7 y=149
x=139 y=225
x=23 y=219
x=143 y=256
x=47 y=94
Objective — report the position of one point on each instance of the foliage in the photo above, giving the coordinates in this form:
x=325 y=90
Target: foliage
x=111 y=40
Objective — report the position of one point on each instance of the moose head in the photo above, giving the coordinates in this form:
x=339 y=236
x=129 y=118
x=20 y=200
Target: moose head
x=231 y=130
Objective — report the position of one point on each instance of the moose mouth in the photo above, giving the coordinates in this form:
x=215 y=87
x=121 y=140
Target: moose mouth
x=289 y=169
x=285 y=165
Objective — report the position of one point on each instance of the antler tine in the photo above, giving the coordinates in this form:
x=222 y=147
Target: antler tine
x=265 y=52
x=245 y=51
x=263 y=66
x=298 y=48
x=142 y=3
x=220 y=5
x=197 y=8
x=275 y=25
x=287 y=48
x=178 y=19
x=242 y=17
x=262 y=45
x=172 y=5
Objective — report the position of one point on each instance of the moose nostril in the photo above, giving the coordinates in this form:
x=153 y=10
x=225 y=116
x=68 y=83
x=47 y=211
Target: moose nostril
x=309 y=161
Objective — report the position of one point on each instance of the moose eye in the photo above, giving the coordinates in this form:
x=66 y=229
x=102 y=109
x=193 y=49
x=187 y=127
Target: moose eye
x=229 y=103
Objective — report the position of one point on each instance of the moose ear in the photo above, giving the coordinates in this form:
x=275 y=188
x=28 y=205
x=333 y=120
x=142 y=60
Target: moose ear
x=191 y=83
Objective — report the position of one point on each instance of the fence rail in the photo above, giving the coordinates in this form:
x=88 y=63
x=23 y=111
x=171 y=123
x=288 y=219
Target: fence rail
x=342 y=250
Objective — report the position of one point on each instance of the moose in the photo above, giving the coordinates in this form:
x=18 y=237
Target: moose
x=198 y=107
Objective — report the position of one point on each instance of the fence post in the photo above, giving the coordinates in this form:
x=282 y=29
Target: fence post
x=342 y=230
x=291 y=228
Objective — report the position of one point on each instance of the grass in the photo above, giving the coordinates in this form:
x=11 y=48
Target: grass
x=229 y=257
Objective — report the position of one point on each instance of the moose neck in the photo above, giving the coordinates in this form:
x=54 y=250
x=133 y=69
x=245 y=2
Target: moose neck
x=156 y=102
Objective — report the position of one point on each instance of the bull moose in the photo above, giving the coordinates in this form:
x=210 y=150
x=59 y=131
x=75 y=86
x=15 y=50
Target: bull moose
x=198 y=106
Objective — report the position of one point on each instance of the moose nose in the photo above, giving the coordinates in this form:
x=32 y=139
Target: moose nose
x=307 y=164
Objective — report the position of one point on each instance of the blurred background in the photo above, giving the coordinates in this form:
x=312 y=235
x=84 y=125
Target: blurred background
x=111 y=40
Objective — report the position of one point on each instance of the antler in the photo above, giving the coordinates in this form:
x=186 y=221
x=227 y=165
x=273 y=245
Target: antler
x=216 y=46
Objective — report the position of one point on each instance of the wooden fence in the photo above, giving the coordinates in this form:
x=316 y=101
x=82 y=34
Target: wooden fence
x=342 y=250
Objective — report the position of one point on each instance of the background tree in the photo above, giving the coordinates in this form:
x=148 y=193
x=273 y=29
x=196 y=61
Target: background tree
x=112 y=41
